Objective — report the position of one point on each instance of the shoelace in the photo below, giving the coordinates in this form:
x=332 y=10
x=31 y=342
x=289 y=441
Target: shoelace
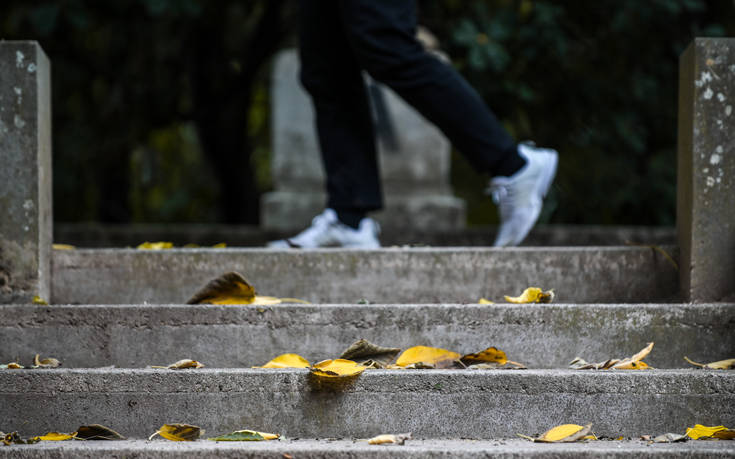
x=502 y=196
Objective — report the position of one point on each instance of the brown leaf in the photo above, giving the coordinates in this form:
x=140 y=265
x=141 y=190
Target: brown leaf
x=97 y=432
x=368 y=354
x=46 y=363
x=229 y=288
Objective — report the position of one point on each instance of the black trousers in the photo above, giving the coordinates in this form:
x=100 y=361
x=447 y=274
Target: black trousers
x=341 y=38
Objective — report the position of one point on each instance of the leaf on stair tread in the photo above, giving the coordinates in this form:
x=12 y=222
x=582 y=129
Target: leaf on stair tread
x=728 y=364
x=371 y=355
x=532 y=295
x=336 y=368
x=439 y=358
x=15 y=438
x=489 y=355
x=485 y=301
x=11 y=366
x=155 y=245
x=287 y=361
x=180 y=365
x=565 y=433
x=38 y=300
x=631 y=363
x=670 y=438
x=63 y=247
x=233 y=288
x=700 y=432
x=178 y=432
x=389 y=439
x=55 y=436
x=97 y=432
x=246 y=435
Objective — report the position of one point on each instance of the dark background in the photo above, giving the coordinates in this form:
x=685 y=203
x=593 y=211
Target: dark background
x=161 y=107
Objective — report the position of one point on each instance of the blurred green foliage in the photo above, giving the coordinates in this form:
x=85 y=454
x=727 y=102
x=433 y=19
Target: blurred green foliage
x=161 y=107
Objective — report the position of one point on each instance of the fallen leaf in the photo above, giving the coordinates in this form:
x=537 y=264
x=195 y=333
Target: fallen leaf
x=180 y=365
x=440 y=358
x=532 y=295
x=62 y=247
x=12 y=366
x=232 y=288
x=155 y=245
x=287 y=361
x=700 y=432
x=336 y=368
x=728 y=364
x=411 y=366
x=369 y=354
x=38 y=300
x=55 y=436
x=489 y=355
x=670 y=438
x=565 y=433
x=178 y=432
x=485 y=301
x=220 y=245
x=45 y=363
x=15 y=438
x=97 y=432
x=631 y=363
x=389 y=439
x=246 y=435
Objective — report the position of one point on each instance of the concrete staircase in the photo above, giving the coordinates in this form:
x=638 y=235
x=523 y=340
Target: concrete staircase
x=114 y=312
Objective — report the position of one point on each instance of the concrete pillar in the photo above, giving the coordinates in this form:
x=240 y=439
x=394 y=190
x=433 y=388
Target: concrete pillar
x=706 y=170
x=414 y=166
x=25 y=172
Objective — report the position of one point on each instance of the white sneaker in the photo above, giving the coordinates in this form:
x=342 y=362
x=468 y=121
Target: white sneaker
x=520 y=197
x=327 y=231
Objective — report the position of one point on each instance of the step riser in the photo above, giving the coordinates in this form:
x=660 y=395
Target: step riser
x=431 y=404
x=578 y=275
x=540 y=336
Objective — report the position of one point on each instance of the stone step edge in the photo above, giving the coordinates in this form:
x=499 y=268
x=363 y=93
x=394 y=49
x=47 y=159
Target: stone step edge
x=338 y=448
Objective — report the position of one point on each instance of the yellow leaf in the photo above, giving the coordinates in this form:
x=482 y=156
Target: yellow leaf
x=46 y=363
x=265 y=300
x=565 y=433
x=178 y=432
x=185 y=363
x=246 y=435
x=426 y=355
x=56 y=436
x=719 y=365
x=229 y=288
x=155 y=245
x=12 y=366
x=221 y=245
x=485 y=301
x=532 y=295
x=702 y=432
x=337 y=368
x=489 y=355
x=389 y=439
x=62 y=247
x=287 y=361
x=634 y=363
x=38 y=300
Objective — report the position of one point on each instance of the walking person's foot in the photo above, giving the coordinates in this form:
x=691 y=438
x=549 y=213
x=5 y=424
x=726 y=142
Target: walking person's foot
x=327 y=231
x=520 y=196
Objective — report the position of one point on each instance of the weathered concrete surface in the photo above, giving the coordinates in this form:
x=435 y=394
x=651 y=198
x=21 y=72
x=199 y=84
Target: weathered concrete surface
x=417 y=275
x=413 y=449
x=414 y=170
x=540 y=336
x=25 y=172
x=429 y=403
x=706 y=170
x=118 y=235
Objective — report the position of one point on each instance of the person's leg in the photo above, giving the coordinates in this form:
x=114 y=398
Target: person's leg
x=333 y=78
x=382 y=35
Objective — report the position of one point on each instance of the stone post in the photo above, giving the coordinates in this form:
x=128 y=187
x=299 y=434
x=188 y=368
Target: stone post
x=706 y=170
x=25 y=172
x=414 y=164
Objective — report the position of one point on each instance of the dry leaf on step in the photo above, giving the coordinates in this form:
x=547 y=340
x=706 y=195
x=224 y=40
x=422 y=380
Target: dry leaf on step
x=180 y=365
x=484 y=301
x=489 y=355
x=14 y=438
x=287 y=361
x=232 y=288
x=532 y=295
x=62 y=247
x=670 y=438
x=11 y=366
x=390 y=439
x=631 y=363
x=56 y=436
x=369 y=354
x=336 y=368
x=700 y=432
x=246 y=435
x=728 y=364
x=439 y=358
x=155 y=245
x=38 y=300
x=565 y=433
x=49 y=362
x=97 y=432
x=178 y=432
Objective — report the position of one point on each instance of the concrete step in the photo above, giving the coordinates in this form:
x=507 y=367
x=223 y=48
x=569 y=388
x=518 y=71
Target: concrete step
x=413 y=449
x=398 y=275
x=539 y=335
x=480 y=404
